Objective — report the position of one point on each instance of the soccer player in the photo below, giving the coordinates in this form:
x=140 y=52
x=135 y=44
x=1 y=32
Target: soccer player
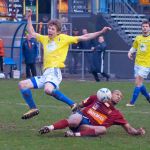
x=141 y=46
x=55 y=47
x=94 y=118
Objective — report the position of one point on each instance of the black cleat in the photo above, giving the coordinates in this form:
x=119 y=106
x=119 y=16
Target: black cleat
x=44 y=130
x=31 y=113
x=74 y=107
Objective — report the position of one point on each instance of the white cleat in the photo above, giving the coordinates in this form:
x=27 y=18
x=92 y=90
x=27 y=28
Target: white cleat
x=69 y=134
x=130 y=105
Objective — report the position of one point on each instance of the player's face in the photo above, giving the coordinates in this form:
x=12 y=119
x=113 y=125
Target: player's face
x=116 y=96
x=145 y=28
x=52 y=31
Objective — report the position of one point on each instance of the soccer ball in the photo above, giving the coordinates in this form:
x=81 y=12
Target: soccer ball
x=2 y=75
x=104 y=94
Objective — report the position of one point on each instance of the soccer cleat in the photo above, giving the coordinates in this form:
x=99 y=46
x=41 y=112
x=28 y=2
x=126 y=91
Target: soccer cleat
x=69 y=134
x=148 y=99
x=44 y=130
x=74 y=107
x=130 y=105
x=31 y=113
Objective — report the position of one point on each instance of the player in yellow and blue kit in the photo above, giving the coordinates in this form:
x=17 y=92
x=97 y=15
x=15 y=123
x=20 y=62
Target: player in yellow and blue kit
x=55 y=47
x=141 y=46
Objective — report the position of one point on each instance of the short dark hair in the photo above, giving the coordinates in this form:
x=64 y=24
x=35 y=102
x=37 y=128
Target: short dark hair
x=55 y=23
x=146 y=22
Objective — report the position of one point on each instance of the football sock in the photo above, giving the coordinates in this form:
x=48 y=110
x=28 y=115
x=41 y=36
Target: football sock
x=144 y=92
x=60 y=96
x=27 y=95
x=135 y=95
x=62 y=124
x=88 y=132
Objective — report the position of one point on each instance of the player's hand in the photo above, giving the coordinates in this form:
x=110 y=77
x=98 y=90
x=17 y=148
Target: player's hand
x=29 y=13
x=105 y=29
x=141 y=131
x=130 y=56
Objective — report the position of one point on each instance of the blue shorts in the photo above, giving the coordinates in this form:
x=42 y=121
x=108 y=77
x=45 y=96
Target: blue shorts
x=84 y=120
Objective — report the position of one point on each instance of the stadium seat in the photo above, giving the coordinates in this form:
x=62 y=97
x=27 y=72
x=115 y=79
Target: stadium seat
x=11 y=63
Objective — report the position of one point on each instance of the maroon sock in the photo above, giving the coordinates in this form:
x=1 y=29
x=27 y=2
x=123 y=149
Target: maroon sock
x=61 y=124
x=88 y=132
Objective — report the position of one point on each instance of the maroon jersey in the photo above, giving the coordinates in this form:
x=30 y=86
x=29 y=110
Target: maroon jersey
x=103 y=114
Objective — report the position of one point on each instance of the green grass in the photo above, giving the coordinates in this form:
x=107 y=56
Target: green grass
x=17 y=134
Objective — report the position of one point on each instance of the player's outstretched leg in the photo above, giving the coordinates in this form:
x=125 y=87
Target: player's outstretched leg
x=134 y=96
x=61 y=124
x=145 y=93
x=60 y=96
x=27 y=96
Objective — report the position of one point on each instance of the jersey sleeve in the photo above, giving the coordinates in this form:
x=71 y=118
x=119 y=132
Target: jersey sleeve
x=120 y=120
x=88 y=101
x=135 y=43
x=40 y=38
x=70 y=39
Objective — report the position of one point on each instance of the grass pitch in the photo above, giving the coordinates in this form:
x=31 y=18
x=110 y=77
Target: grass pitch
x=17 y=134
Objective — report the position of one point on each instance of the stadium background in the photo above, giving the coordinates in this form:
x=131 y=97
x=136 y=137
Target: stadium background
x=124 y=16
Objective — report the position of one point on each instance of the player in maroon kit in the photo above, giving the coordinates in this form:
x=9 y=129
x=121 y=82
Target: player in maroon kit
x=93 y=118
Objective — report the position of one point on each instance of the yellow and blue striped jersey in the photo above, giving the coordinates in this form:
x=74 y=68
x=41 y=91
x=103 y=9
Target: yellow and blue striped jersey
x=55 y=50
x=142 y=45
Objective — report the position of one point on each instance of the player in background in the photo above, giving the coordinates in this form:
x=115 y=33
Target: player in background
x=55 y=49
x=141 y=46
x=94 y=118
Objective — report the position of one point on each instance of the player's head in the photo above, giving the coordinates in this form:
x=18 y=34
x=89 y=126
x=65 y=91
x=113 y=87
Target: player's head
x=54 y=28
x=116 y=96
x=145 y=27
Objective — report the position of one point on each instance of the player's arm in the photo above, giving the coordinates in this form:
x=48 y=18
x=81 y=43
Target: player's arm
x=130 y=53
x=132 y=131
x=88 y=101
x=29 y=24
x=93 y=35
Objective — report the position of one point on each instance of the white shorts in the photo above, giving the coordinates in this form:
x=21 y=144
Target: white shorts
x=51 y=75
x=141 y=71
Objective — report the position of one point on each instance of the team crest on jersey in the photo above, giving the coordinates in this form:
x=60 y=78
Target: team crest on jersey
x=51 y=46
x=95 y=106
x=143 y=47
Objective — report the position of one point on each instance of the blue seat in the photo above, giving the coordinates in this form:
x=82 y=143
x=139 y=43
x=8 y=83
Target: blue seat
x=9 y=61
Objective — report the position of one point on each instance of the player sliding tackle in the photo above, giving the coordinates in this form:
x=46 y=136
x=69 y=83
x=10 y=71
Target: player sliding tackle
x=55 y=47
x=95 y=117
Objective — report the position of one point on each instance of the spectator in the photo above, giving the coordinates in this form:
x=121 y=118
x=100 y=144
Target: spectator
x=1 y=54
x=98 y=59
x=30 y=51
x=74 y=55
x=87 y=45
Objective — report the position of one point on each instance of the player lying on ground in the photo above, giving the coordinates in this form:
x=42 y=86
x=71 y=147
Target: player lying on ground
x=55 y=47
x=94 y=118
